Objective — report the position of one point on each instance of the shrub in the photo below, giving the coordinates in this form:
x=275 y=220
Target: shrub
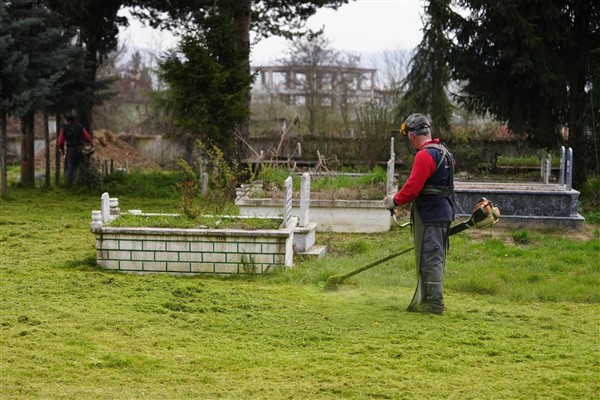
x=217 y=197
x=590 y=195
x=88 y=175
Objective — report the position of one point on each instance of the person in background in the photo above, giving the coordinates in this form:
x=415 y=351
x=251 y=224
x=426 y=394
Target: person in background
x=75 y=136
x=430 y=187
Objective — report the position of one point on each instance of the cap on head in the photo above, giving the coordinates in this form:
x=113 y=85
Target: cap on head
x=417 y=124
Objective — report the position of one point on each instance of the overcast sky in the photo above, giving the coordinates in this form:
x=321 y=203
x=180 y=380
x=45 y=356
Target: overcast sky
x=361 y=26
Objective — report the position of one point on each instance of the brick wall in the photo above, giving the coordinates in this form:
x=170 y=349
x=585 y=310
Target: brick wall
x=194 y=251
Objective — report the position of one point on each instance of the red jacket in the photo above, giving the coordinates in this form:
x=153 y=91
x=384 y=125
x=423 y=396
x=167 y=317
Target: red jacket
x=423 y=167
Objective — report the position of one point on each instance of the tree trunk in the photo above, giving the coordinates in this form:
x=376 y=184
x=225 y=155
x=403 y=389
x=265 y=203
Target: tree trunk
x=243 y=16
x=4 y=151
x=47 y=151
x=57 y=153
x=28 y=149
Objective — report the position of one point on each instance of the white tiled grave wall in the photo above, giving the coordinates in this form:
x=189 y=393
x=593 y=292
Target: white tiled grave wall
x=191 y=254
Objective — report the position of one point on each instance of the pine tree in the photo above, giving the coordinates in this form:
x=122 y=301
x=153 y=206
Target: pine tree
x=530 y=63
x=94 y=27
x=37 y=54
x=208 y=80
x=426 y=83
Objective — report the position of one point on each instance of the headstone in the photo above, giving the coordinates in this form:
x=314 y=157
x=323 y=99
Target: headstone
x=287 y=200
x=105 y=207
x=113 y=203
x=204 y=183
x=391 y=169
x=569 y=176
x=548 y=169
x=390 y=176
x=304 y=200
x=542 y=168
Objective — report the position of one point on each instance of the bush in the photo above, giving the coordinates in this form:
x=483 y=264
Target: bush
x=217 y=197
x=87 y=176
x=590 y=195
x=273 y=177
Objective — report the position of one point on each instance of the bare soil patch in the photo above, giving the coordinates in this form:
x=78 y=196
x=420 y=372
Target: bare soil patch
x=109 y=149
x=505 y=233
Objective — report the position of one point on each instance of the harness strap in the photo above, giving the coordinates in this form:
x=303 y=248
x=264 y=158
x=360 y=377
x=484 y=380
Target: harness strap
x=441 y=190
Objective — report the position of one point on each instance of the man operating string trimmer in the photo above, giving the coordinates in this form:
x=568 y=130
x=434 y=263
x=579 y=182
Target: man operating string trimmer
x=430 y=187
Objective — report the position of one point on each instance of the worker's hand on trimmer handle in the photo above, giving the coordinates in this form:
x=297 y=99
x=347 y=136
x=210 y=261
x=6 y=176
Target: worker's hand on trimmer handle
x=388 y=202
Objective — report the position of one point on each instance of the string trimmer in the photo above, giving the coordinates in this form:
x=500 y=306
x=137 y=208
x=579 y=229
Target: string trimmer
x=484 y=215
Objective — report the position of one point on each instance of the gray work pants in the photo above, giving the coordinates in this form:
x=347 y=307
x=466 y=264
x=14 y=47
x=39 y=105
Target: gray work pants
x=431 y=243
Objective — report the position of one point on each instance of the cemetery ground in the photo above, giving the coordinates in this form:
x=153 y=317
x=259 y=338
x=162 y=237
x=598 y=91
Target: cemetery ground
x=522 y=317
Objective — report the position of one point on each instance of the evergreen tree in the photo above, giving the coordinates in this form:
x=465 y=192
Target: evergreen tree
x=530 y=63
x=12 y=75
x=208 y=80
x=94 y=26
x=429 y=75
x=37 y=53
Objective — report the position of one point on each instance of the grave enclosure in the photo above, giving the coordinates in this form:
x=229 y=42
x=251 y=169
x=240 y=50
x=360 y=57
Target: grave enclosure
x=529 y=205
x=205 y=251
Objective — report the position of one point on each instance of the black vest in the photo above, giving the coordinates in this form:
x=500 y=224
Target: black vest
x=434 y=201
x=73 y=134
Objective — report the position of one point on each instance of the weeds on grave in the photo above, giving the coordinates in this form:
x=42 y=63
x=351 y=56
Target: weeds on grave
x=223 y=177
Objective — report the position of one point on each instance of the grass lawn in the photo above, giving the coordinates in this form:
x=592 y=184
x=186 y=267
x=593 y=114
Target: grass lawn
x=522 y=321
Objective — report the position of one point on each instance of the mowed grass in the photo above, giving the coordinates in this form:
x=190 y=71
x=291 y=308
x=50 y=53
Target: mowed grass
x=522 y=321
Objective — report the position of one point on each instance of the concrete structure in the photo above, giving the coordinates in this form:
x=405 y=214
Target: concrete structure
x=305 y=234
x=295 y=84
x=531 y=205
x=193 y=251
x=359 y=216
x=524 y=205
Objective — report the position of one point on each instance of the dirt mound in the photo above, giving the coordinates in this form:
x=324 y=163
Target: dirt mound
x=110 y=152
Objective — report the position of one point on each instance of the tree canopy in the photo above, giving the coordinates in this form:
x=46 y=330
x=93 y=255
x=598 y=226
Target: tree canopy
x=208 y=80
x=35 y=56
x=429 y=75
x=530 y=63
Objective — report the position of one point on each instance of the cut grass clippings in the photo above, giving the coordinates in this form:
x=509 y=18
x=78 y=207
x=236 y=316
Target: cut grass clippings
x=521 y=321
